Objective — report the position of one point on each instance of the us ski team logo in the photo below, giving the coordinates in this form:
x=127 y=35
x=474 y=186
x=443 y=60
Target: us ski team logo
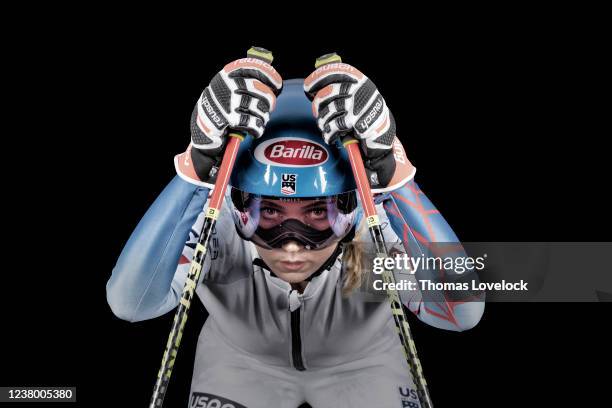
x=288 y=181
x=291 y=152
x=204 y=400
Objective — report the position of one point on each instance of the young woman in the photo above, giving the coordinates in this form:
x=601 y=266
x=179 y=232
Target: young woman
x=289 y=319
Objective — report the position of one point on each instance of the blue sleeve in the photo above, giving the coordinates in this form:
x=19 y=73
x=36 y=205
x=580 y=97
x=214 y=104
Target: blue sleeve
x=141 y=287
x=417 y=223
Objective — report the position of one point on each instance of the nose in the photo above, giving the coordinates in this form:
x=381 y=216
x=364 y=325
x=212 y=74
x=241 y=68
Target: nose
x=292 y=246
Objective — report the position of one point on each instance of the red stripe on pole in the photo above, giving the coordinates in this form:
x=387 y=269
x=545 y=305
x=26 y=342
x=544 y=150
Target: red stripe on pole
x=225 y=171
x=361 y=178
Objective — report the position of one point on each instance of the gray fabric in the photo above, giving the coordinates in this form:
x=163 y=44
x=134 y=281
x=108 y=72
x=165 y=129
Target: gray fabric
x=349 y=345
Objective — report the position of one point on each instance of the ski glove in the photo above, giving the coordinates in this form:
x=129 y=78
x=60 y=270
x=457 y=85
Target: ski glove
x=240 y=97
x=345 y=101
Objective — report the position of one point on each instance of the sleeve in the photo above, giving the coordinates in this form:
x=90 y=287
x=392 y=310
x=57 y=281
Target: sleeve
x=146 y=281
x=416 y=223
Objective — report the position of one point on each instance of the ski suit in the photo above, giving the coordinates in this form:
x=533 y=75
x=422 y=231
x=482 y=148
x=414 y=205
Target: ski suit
x=264 y=344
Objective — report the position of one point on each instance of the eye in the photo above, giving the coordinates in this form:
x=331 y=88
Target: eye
x=269 y=212
x=318 y=213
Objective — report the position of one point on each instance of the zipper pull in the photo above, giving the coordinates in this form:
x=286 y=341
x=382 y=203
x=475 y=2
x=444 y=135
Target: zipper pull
x=295 y=300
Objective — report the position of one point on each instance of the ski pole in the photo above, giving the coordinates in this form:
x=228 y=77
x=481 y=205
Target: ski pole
x=373 y=223
x=211 y=215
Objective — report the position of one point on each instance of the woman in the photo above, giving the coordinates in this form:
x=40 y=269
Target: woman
x=289 y=318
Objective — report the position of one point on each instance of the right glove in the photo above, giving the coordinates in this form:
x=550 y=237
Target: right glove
x=345 y=101
x=240 y=97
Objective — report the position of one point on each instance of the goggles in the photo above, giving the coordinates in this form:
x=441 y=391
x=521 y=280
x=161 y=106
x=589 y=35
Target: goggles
x=315 y=223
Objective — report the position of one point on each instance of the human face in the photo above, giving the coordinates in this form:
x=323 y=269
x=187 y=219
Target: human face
x=292 y=262
x=311 y=213
x=313 y=222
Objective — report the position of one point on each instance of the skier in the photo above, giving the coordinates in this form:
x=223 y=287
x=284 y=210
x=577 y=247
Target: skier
x=281 y=282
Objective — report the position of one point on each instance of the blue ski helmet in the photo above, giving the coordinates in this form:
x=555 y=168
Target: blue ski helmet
x=292 y=150
x=291 y=163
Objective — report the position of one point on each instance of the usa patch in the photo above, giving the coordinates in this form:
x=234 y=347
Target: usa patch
x=288 y=183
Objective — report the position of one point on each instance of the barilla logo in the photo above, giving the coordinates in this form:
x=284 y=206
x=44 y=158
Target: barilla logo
x=291 y=152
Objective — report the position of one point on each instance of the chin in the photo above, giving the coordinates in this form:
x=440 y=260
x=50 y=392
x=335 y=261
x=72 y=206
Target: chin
x=293 y=277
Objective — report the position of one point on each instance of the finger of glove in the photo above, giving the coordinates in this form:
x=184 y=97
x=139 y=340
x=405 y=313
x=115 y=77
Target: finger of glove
x=250 y=105
x=332 y=122
x=331 y=131
x=266 y=100
x=248 y=117
x=254 y=109
x=256 y=69
x=247 y=123
x=323 y=94
x=329 y=74
x=338 y=94
x=332 y=115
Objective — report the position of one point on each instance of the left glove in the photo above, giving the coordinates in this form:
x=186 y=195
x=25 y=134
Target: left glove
x=344 y=101
x=240 y=97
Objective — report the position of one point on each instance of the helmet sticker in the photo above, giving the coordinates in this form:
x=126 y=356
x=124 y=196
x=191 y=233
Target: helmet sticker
x=288 y=183
x=291 y=152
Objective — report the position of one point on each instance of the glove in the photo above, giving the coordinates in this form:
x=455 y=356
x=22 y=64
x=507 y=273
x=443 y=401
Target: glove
x=239 y=97
x=345 y=101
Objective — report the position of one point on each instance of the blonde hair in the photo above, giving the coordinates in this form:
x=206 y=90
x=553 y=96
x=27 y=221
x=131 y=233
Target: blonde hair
x=352 y=261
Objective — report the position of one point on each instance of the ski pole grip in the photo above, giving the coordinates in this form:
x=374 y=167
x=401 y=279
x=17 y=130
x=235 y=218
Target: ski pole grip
x=231 y=149
x=260 y=53
x=351 y=144
x=327 y=59
x=225 y=171
x=352 y=147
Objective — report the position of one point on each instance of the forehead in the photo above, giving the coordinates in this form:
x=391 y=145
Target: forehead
x=294 y=203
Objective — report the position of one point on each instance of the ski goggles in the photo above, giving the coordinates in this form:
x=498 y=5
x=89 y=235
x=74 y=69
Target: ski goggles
x=316 y=223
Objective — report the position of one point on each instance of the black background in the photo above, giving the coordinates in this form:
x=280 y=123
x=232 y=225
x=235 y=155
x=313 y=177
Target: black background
x=500 y=116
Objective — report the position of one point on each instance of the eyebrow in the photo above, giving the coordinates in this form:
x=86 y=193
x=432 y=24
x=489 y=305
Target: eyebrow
x=315 y=205
x=272 y=204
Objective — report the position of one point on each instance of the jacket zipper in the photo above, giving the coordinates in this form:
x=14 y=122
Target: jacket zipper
x=296 y=341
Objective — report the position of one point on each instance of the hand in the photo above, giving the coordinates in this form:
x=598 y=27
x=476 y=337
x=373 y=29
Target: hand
x=240 y=97
x=345 y=101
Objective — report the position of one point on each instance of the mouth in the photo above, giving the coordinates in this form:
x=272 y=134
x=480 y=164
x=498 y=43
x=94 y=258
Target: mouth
x=292 y=266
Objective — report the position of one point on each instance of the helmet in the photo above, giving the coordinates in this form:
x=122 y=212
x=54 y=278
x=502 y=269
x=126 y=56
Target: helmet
x=289 y=184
